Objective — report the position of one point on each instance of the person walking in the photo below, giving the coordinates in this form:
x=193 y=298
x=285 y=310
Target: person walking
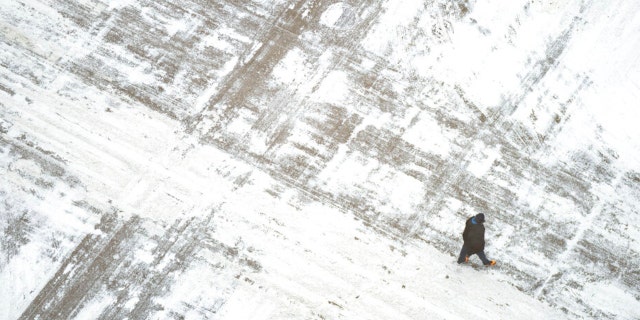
x=473 y=236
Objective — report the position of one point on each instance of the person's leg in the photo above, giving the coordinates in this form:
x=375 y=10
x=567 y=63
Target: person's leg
x=483 y=257
x=463 y=254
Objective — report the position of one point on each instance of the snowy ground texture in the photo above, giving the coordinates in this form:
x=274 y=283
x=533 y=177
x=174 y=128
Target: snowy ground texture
x=301 y=159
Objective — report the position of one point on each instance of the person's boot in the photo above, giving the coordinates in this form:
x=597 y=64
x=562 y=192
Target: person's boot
x=491 y=263
x=466 y=260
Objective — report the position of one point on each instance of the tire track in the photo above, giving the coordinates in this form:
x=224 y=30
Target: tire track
x=76 y=276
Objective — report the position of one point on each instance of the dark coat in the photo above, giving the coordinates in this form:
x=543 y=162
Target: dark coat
x=473 y=236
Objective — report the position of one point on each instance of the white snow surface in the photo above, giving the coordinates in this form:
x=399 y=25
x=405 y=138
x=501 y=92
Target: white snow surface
x=312 y=160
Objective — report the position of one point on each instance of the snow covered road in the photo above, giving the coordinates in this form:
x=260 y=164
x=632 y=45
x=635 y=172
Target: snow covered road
x=318 y=159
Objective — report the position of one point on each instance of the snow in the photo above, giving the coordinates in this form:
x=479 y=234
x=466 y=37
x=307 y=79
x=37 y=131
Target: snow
x=332 y=14
x=202 y=100
x=334 y=88
x=140 y=75
x=613 y=299
x=95 y=306
x=487 y=156
x=365 y=276
x=118 y=4
x=36 y=261
x=292 y=68
x=331 y=176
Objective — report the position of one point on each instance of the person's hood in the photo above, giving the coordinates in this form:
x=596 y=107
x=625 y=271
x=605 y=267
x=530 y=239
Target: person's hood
x=479 y=218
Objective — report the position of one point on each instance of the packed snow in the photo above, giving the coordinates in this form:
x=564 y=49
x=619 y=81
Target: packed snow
x=318 y=159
